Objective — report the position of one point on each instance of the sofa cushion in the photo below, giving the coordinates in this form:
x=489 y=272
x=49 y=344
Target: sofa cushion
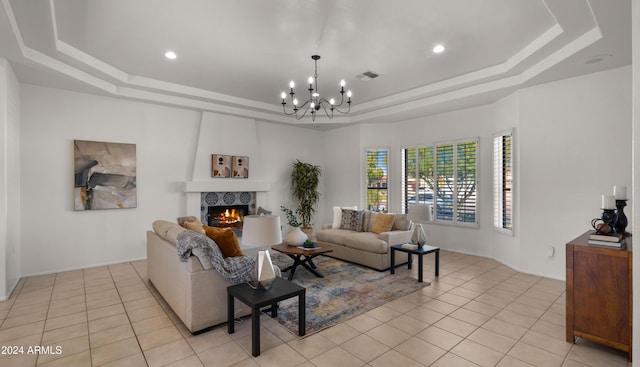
x=370 y=218
x=226 y=240
x=337 y=215
x=401 y=223
x=333 y=235
x=167 y=230
x=352 y=219
x=383 y=223
x=194 y=226
x=366 y=241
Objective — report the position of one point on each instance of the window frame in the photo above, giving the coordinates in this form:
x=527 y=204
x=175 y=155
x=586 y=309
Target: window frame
x=366 y=177
x=455 y=143
x=498 y=187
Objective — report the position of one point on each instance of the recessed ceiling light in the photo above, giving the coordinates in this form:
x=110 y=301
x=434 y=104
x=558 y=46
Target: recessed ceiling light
x=170 y=55
x=438 y=49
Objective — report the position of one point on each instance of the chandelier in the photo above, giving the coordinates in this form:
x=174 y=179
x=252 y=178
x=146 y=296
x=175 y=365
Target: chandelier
x=315 y=103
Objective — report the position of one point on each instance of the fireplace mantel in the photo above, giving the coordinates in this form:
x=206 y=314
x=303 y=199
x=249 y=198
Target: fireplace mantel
x=224 y=185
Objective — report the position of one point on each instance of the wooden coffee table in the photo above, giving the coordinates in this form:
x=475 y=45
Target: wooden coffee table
x=302 y=256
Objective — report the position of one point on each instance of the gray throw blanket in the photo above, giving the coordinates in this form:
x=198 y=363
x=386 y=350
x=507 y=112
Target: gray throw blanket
x=236 y=270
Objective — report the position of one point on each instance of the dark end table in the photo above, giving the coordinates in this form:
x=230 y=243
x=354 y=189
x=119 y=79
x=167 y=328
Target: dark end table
x=280 y=290
x=420 y=251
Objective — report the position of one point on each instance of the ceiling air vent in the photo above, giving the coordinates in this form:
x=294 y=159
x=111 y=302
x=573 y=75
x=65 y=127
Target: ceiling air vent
x=367 y=75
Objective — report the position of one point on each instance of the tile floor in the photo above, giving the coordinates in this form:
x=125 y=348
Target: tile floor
x=478 y=313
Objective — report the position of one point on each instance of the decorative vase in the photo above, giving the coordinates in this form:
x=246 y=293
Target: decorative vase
x=295 y=237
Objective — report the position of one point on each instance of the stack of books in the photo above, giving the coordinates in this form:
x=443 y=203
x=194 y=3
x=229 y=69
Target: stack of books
x=610 y=240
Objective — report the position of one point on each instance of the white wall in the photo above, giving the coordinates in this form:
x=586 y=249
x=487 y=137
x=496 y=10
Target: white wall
x=173 y=146
x=575 y=145
x=9 y=179
x=572 y=144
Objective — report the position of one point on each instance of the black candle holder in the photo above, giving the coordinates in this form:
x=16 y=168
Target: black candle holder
x=621 y=219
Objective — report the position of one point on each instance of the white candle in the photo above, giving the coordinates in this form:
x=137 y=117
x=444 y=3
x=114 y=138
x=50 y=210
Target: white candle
x=620 y=192
x=608 y=202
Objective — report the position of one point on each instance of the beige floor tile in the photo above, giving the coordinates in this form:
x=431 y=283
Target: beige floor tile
x=483 y=308
x=168 y=353
x=388 y=335
x=337 y=357
x=542 y=341
x=155 y=323
x=456 y=326
x=200 y=343
x=492 y=340
x=106 y=311
x=64 y=333
x=477 y=353
x=469 y=316
x=223 y=355
x=194 y=361
x=136 y=360
x=408 y=324
x=115 y=351
x=21 y=331
x=505 y=328
x=439 y=337
x=82 y=359
x=280 y=356
x=454 y=299
x=535 y=356
x=159 y=337
x=394 y=358
x=20 y=360
x=108 y=322
x=145 y=313
x=27 y=309
x=268 y=340
x=593 y=354
x=66 y=310
x=400 y=305
x=24 y=319
x=111 y=335
x=452 y=360
x=363 y=323
x=508 y=361
x=425 y=315
x=420 y=351
x=340 y=333
x=383 y=314
x=549 y=329
x=311 y=346
x=67 y=347
x=440 y=306
x=365 y=347
x=68 y=320
x=140 y=303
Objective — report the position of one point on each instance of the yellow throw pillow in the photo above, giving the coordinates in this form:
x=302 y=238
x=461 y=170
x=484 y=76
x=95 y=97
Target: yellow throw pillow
x=226 y=240
x=382 y=223
x=194 y=226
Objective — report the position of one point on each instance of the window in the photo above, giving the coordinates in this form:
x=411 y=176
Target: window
x=445 y=176
x=503 y=181
x=377 y=178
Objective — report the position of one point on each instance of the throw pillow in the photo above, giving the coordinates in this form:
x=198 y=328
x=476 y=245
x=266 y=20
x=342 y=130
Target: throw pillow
x=226 y=240
x=263 y=211
x=337 y=215
x=352 y=219
x=194 y=226
x=383 y=223
x=401 y=222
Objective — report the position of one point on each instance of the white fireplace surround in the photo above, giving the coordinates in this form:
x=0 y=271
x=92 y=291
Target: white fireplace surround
x=194 y=190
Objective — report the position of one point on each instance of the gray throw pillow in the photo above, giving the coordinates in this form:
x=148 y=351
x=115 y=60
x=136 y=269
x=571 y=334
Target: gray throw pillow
x=352 y=220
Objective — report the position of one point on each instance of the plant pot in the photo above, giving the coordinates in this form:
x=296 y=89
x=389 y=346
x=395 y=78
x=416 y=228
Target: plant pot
x=295 y=237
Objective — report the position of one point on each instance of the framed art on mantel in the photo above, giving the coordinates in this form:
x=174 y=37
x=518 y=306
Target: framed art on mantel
x=240 y=167
x=104 y=175
x=220 y=165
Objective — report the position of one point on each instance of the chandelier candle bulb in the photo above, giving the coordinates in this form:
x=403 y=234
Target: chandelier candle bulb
x=620 y=192
x=291 y=85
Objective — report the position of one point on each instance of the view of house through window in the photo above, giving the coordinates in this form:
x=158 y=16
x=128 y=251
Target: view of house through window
x=377 y=178
x=444 y=176
x=502 y=181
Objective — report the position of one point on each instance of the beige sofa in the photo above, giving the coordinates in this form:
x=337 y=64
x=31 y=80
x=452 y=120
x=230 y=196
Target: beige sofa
x=365 y=247
x=197 y=296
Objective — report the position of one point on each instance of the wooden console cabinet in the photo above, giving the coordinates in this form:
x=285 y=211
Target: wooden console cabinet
x=599 y=303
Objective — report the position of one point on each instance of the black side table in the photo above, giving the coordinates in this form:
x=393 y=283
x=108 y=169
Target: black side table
x=281 y=289
x=420 y=251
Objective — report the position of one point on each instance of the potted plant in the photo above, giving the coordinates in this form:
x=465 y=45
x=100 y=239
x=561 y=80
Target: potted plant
x=305 y=178
x=295 y=236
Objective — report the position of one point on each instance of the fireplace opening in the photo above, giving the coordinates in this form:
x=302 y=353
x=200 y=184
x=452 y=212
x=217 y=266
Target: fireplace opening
x=227 y=216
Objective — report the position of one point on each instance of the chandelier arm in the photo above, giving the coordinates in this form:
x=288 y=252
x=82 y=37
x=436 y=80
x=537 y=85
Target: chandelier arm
x=324 y=108
x=344 y=112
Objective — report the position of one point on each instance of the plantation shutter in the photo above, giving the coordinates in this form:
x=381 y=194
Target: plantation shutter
x=502 y=181
x=466 y=182
x=445 y=165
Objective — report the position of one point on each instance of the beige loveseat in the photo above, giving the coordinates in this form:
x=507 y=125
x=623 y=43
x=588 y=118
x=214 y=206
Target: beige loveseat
x=362 y=245
x=197 y=296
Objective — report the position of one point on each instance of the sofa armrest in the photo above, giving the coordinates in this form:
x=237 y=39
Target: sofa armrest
x=396 y=237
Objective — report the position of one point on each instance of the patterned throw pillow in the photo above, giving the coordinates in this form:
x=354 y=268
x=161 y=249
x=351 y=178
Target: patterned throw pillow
x=352 y=220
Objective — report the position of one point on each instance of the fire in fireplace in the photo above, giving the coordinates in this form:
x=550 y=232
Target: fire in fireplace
x=227 y=216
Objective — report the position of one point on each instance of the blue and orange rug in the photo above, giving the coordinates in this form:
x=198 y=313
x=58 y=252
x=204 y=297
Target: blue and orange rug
x=346 y=291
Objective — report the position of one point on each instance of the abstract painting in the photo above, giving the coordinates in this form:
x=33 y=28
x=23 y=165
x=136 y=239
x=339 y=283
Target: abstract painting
x=220 y=165
x=240 y=167
x=105 y=175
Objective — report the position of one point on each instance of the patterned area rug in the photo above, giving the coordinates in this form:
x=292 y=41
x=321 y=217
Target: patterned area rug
x=347 y=290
